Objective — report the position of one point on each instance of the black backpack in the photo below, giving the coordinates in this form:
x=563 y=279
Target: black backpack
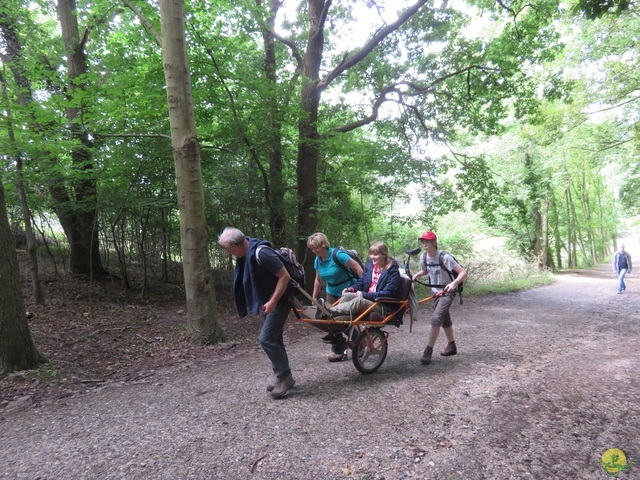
x=452 y=273
x=353 y=254
x=290 y=262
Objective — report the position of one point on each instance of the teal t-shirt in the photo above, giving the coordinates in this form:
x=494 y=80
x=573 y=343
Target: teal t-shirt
x=334 y=276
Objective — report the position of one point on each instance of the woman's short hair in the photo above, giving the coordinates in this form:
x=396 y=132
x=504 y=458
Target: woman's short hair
x=318 y=240
x=231 y=237
x=379 y=248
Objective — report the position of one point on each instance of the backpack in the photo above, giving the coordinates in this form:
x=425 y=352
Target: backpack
x=290 y=262
x=353 y=254
x=452 y=273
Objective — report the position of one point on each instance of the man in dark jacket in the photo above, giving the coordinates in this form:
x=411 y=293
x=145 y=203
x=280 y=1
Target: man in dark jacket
x=621 y=266
x=259 y=288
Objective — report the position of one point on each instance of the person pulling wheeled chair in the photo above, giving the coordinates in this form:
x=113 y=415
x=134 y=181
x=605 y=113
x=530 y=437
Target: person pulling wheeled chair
x=445 y=287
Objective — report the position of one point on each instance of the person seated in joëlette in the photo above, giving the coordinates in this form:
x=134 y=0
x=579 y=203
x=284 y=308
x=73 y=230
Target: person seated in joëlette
x=380 y=279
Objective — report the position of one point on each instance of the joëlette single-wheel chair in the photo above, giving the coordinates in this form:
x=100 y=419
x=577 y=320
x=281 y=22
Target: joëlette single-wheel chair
x=366 y=336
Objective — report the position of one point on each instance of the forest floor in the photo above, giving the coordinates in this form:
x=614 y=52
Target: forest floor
x=545 y=384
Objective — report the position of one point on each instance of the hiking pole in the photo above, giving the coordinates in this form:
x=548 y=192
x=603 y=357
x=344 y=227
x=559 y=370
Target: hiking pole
x=313 y=300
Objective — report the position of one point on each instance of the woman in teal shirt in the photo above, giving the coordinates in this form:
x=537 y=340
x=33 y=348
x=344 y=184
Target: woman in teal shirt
x=336 y=280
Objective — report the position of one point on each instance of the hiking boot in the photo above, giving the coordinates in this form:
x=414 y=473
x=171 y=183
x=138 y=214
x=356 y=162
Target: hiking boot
x=426 y=356
x=338 y=357
x=450 y=350
x=282 y=386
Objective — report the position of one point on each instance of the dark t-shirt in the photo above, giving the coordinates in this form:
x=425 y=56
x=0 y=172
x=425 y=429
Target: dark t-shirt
x=622 y=262
x=269 y=260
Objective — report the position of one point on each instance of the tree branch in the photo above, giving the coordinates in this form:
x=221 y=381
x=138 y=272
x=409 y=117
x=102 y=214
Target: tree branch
x=147 y=24
x=130 y=135
x=289 y=43
x=347 y=63
x=382 y=98
x=416 y=90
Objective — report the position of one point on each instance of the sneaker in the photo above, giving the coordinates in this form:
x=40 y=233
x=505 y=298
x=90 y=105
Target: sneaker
x=619 y=293
x=450 y=350
x=338 y=357
x=426 y=356
x=282 y=386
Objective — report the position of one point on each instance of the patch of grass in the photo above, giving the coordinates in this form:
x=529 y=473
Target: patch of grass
x=46 y=371
x=507 y=285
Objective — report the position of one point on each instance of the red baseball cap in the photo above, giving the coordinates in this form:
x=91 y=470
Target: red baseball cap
x=428 y=236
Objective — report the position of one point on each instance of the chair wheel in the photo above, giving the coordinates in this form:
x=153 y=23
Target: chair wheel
x=370 y=350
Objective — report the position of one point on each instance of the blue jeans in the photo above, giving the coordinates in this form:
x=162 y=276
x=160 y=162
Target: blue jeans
x=272 y=340
x=621 y=275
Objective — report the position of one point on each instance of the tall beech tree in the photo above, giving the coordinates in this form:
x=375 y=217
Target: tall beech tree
x=76 y=207
x=201 y=300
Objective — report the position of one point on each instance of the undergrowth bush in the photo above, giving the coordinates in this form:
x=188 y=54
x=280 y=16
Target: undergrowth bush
x=501 y=271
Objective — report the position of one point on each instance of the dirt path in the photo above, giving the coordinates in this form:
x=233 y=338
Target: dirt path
x=545 y=382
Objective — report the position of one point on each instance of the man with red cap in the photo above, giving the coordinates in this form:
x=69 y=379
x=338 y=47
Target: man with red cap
x=442 y=281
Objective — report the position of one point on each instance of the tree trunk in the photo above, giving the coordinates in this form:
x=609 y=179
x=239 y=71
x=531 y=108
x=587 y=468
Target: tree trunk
x=17 y=350
x=584 y=198
x=14 y=53
x=79 y=219
x=277 y=212
x=578 y=232
x=201 y=300
x=567 y=195
x=603 y=251
x=308 y=143
x=544 y=251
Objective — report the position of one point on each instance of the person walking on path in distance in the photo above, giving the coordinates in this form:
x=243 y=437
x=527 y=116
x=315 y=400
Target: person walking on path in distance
x=445 y=283
x=621 y=266
x=258 y=288
x=336 y=279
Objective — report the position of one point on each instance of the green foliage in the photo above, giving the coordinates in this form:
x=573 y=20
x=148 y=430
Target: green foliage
x=479 y=186
x=460 y=245
x=593 y=9
x=630 y=190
